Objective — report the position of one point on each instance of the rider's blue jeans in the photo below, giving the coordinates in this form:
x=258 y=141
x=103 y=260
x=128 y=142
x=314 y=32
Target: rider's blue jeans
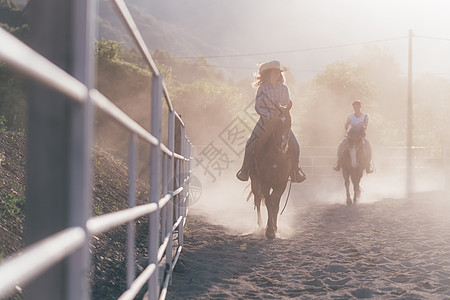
x=261 y=134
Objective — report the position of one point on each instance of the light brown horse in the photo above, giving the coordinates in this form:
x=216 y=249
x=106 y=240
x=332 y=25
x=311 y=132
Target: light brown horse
x=354 y=161
x=273 y=165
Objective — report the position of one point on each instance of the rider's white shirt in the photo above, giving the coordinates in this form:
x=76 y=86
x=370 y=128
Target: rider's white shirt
x=354 y=121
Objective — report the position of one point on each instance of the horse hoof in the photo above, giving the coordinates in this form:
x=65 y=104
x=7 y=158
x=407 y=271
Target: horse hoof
x=270 y=235
x=349 y=202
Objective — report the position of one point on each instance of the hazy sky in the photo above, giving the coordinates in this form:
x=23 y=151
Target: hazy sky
x=258 y=26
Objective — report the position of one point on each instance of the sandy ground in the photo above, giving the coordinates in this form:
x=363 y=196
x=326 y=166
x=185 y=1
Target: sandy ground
x=388 y=248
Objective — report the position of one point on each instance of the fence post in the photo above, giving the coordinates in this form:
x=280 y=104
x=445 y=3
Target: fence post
x=164 y=187
x=189 y=167
x=155 y=193
x=131 y=226
x=444 y=162
x=409 y=124
x=183 y=184
x=177 y=167
x=169 y=210
x=59 y=144
x=82 y=139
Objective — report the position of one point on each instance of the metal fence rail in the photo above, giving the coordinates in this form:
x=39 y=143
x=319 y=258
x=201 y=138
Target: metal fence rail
x=318 y=161
x=169 y=176
x=24 y=267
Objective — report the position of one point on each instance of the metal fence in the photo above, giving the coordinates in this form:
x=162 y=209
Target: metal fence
x=318 y=161
x=66 y=247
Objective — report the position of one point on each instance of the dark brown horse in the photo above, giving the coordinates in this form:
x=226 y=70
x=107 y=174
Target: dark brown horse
x=273 y=165
x=354 y=161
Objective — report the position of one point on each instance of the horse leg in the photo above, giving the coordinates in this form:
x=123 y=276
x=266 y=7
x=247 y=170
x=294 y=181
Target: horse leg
x=258 y=199
x=276 y=197
x=270 y=230
x=356 y=179
x=347 y=185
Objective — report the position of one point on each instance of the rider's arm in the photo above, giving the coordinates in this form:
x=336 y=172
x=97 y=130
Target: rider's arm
x=261 y=105
x=347 y=124
x=366 y=122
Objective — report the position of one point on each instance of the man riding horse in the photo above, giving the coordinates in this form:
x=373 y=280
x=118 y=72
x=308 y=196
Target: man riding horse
x=272 y=94
x=357 y=120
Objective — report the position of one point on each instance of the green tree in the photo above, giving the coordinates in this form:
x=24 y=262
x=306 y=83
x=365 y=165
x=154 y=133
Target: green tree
x=333 y=91
x=431 y=111
x=108 y=50
x=387 y=105
x=208 y=107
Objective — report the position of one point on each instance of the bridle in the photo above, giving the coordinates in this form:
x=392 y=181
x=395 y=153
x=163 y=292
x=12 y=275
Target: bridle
x=280 y=109
x=280 y=148
x=355 y=143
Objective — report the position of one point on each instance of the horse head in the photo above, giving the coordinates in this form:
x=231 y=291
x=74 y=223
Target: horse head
x=355 y=135
x=281 y=124
x=355 y=138
x=272 y=166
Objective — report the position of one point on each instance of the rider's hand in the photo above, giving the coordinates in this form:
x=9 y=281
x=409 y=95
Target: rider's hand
x=267 y=119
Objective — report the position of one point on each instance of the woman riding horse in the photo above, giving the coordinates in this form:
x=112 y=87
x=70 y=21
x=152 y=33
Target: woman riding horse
x=358 y=119
x=273 y=166
x=271 y=94
x=354 y=161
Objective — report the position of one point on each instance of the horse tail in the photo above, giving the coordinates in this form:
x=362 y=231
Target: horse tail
x=249 y=195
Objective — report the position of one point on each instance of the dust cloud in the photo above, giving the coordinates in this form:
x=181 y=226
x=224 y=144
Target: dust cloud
x=375 y=74
x=224 y=203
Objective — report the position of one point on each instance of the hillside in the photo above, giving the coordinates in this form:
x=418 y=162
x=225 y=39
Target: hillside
x=157 y=33
x=12 y=191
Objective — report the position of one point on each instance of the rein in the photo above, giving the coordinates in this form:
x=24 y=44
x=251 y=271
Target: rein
x=290 y=182
x=287 y=198
x=273 y=134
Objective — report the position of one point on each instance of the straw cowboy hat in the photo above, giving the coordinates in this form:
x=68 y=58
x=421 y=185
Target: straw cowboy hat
x=274 y=64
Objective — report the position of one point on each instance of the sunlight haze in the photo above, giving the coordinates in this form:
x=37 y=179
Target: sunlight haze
x=253 y=27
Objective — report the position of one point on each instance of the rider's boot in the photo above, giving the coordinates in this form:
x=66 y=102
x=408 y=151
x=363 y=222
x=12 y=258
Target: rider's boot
x=368 y=153
x=337 y=166
x=244 y=172
x=298 y=175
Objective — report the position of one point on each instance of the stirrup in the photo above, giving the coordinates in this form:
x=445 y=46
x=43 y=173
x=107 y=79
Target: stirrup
x=298 y=176
x=242 y=175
